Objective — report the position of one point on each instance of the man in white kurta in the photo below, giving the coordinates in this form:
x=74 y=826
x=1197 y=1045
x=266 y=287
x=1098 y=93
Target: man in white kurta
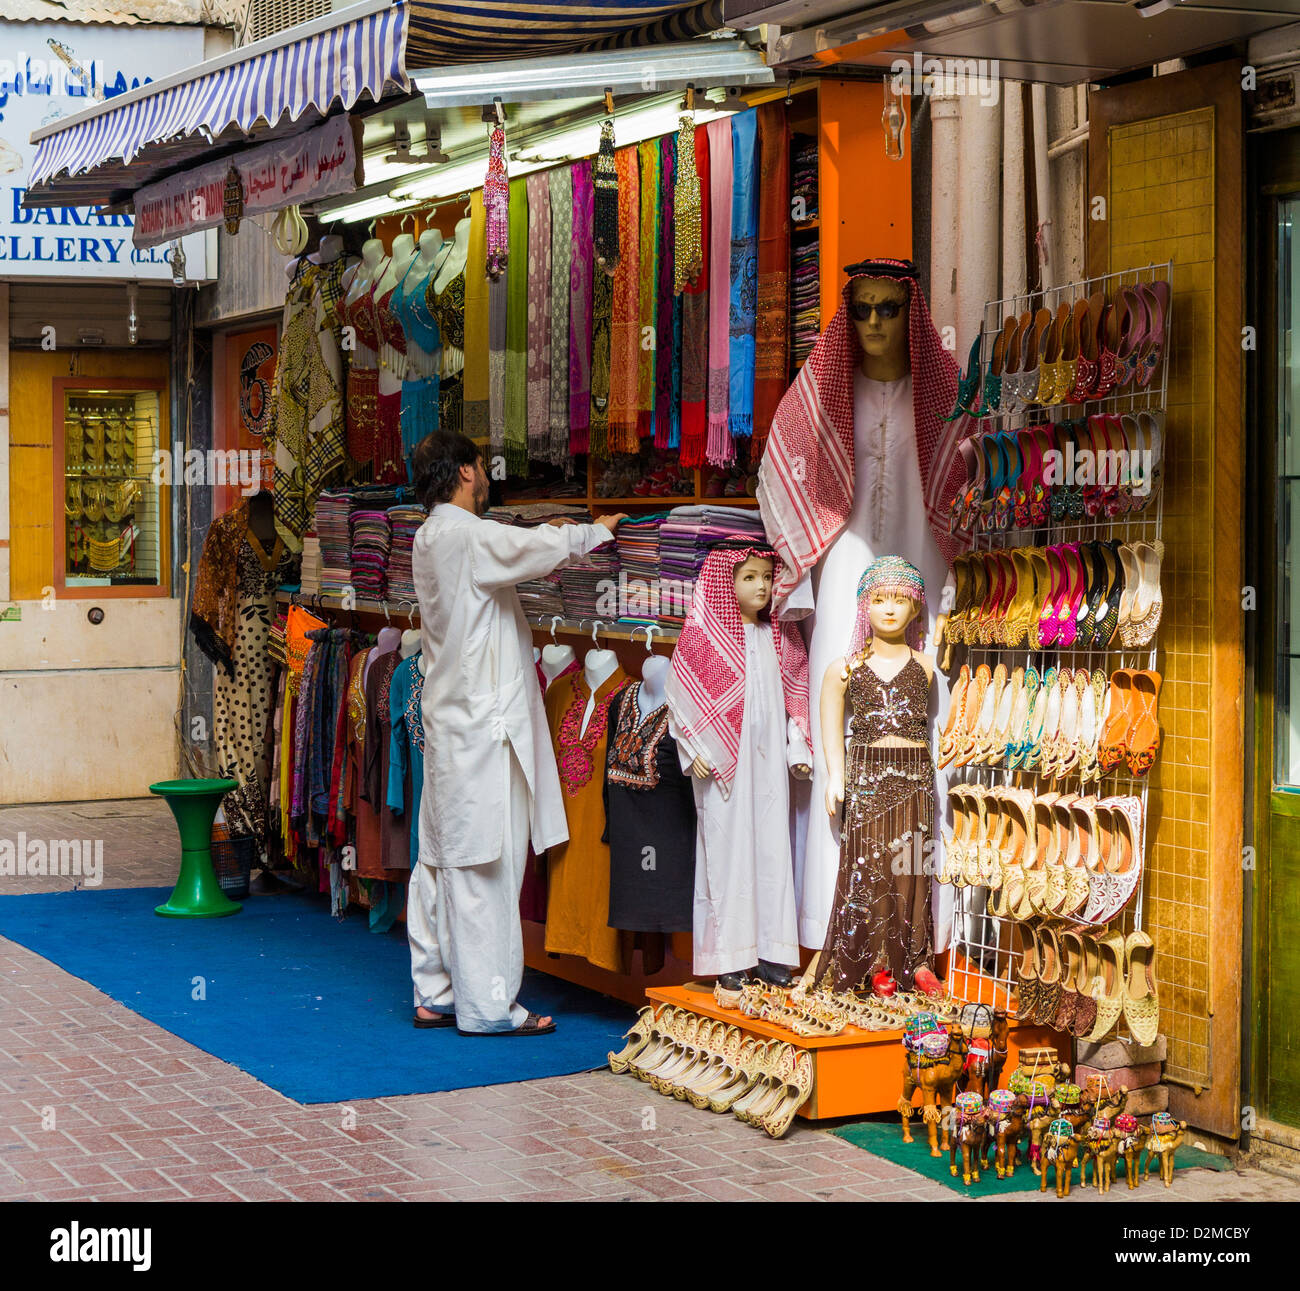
x=490 y=778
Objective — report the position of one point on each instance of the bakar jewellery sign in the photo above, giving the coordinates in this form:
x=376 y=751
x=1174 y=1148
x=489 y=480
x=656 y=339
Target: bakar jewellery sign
x=323 y=162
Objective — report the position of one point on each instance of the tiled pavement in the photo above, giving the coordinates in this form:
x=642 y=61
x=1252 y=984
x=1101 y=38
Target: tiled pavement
x=98 y=1104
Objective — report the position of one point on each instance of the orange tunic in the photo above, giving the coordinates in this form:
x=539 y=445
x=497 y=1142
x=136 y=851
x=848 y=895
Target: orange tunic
x=577 y=909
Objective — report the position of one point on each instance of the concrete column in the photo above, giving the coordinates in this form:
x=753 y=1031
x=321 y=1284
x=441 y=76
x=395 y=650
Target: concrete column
x=1013 y=191
x=978 y=217
x=945 y=125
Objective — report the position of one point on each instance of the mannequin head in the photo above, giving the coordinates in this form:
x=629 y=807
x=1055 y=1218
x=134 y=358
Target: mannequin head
x=753 y=584
x=883 y=339
x=890 y=615
x=891 y=601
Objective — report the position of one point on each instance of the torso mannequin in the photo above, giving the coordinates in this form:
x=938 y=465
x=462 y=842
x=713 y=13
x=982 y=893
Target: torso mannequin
x=389 y=640
x=654 y=673
x=392 y=345
x=597 y=668
x=331 y=247
x=410 y=643
x=453 y=355
x=423 y=353
x=555 y=659
x=357 y=282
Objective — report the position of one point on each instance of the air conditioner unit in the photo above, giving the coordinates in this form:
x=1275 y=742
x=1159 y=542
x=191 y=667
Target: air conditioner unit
x=268 y=17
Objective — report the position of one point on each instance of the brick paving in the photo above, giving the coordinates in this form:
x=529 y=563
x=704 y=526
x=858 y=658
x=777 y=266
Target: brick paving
x=98 y=1104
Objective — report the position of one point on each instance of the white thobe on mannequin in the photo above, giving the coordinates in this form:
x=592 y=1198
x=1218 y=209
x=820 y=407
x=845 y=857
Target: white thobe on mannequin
x=888 y=519
x=744 y=906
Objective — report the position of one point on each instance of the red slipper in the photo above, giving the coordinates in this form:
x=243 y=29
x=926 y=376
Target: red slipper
x=883 y=983
x=926 y=982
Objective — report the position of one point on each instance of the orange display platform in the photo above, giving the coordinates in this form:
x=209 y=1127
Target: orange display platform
x=856 y=1072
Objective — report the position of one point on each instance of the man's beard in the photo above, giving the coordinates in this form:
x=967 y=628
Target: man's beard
x=480 y=499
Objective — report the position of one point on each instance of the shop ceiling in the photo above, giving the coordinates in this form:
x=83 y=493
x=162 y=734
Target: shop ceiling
x=1061 y=42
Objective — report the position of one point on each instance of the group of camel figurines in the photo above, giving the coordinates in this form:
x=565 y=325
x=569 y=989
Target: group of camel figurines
x=958 y=1070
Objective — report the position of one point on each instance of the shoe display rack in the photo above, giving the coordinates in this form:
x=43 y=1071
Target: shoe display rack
x=1061 y=534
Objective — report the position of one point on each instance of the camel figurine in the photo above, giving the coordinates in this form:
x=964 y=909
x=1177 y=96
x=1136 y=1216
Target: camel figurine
x=1103 y=1101
x=985 y=1031
x=969 y=1133
x=1068 y=1104
x=1130 y=1138
x=1166 y=1138
x=1038 y=1116
x=1005 y=1119
x=1101 y=1147
x=1060 y=1150
x=932 y=1063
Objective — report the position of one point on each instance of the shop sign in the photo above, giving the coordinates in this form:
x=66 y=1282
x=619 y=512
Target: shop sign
x=50 y=70
x=318 y=163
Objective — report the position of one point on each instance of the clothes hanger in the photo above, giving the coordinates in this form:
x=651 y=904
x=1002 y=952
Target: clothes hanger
x=555 y=618
x=650 y=631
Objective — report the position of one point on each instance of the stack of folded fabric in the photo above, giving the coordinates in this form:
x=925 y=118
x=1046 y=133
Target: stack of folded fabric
x=332 y=511
x=638 y=558
x=685 y=539
x=405 y=520
x=311 y=564
x=803 y=174
x=371 y=537
x=805 y=304
x=589 y=586
x=542 y=598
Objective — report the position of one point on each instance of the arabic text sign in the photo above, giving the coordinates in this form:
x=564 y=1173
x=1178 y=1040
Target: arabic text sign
x=320 y=163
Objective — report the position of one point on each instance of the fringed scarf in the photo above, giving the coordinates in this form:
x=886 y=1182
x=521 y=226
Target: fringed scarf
x=772 y=321
x=805 y=487
x=539 y=316
x=675 y=396
x=625 y=325
x=720 y=450
x=602 y=314
x=695 y=323
x=476 y=326
x=663 y=411
x=496 y=197
x=580 y=310
x=744 y=271
x=517 y=333
x=604 y=219
x=645 y=391
x=706 y=685
x=561 y=183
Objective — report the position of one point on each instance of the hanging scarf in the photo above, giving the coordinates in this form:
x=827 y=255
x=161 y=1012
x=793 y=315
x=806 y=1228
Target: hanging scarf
x=720 y=450
x=687 y=251
x=214 y=611
x=706 y=686
x=889 y=576
x=806 y=479
x=476 y=326
x=561 y=183
x=604 y=218
x=675 y=396
x=496 y=197
x=580 y=309
x=744 y=271
x=664 y=301
x=772 y=323
x=539 y=315
x=602 y=318
x=498 y=315
x=695 y=325
x=624 y=328
x=517 y=333
x=649 y=287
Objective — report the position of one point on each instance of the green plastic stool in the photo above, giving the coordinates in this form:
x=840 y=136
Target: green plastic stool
x=197 y=894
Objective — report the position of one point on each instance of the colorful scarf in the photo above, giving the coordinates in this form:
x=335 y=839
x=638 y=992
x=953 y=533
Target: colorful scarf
x=687 y=251
x=561 y=183
x=805 y=487
x=476 y=326
x=664 y=304
x=706 y=686
x=580 y=310
x=645 y=391
x=625 y=334
x=889 y=576
x=498 y=314
x=721 y=450
x=744 y=271
x=602 y=318
x=772 y=322
x=496 y=197
x=539 y=316
x=604 y=219
x=517 y=333
x=675 y=396
x=695 y=325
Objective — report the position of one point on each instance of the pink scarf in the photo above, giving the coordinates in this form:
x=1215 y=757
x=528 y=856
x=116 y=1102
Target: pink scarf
x=721 y=450
x=706 y=687
x=806 y=480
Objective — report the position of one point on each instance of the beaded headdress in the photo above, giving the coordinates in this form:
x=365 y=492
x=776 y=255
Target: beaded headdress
x=890 y=576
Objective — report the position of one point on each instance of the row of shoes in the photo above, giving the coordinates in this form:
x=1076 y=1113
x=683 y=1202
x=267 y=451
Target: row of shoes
x=1059 y=723
x=628 y=477
x=1103 y=465
x=1072 y=981
x=714 y=1064
x=825 y=1013
x=1048 y=855
x=1088 y=349
x=1094 y=595
x=734 y=484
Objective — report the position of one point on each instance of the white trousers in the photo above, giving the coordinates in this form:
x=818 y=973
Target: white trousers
x=462 y=922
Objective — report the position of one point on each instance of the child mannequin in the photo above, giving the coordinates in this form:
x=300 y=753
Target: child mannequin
x=737 y=696
x=880 y=926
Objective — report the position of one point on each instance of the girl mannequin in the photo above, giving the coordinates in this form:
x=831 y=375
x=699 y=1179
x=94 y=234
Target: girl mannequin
x=880 y=924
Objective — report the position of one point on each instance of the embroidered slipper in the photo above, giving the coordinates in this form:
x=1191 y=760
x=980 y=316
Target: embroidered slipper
x=442 y=1020
x=528 y=1027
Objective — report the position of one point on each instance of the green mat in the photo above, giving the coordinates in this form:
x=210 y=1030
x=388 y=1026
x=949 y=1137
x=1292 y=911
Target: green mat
x=885 y=1139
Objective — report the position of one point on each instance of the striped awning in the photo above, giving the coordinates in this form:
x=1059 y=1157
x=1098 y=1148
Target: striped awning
x=329 y=62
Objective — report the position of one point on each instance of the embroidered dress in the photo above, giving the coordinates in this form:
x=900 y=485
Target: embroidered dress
x=650 y=815
x=577 y=912
x=406 y=751
x=448 y=308
x=882 y=918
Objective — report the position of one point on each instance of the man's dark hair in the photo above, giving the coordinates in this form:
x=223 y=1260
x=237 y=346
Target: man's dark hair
x=437 y=462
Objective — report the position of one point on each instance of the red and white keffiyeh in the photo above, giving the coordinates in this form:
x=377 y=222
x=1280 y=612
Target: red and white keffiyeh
x=806 y=479
x=706 y=687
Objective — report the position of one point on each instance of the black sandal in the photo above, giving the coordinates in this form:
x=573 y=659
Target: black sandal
x=442 y=1020
x=527 y=1027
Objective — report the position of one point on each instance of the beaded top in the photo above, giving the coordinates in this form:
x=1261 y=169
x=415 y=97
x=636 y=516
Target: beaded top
x=897 y=707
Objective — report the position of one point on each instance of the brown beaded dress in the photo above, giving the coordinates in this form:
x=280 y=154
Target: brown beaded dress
x=881 y=919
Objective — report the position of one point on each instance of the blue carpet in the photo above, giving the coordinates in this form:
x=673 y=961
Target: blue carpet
x=316 y=1008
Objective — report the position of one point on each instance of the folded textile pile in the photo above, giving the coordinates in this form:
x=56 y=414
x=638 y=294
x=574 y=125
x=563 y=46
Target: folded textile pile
x=803 y=175
x=589 y=586
x=332 y=511
x=542 y=598
x=805 y=300
x=371 y=537
x=685 y=539
x=638 y=558
x=311 y=564
x=405 y=521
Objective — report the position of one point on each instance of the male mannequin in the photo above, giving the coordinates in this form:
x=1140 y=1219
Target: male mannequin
x=860 y=463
